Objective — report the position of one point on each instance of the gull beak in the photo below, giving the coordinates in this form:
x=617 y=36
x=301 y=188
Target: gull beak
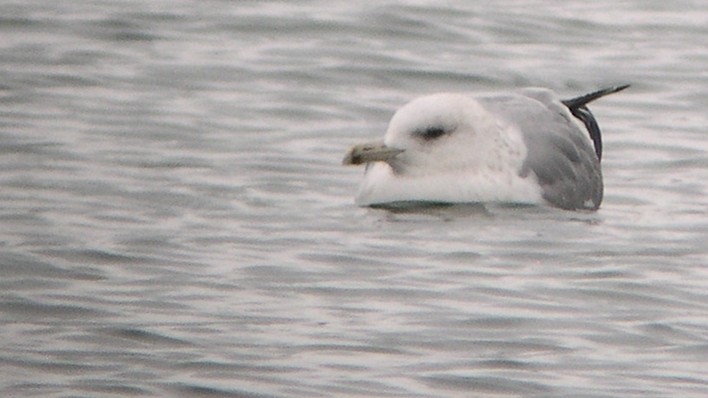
x=370 y=152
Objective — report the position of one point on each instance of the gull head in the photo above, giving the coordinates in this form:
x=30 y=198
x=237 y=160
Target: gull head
x=439 y=133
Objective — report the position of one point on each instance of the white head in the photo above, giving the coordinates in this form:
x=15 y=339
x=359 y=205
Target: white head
x=440 y=133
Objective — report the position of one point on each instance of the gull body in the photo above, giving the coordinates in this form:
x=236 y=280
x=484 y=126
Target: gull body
x=526 y=147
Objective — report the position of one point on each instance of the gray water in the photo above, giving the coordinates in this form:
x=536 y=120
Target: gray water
x=174 y=219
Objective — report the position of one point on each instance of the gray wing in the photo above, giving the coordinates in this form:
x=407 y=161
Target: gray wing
x=559 y=153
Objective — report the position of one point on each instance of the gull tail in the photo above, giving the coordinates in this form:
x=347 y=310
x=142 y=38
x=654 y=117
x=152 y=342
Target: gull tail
x=578 y=108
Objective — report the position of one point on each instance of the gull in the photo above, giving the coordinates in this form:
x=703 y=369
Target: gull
x=527 y=147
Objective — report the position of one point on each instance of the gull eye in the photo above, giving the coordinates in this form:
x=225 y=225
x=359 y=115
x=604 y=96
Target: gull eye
x=431 y=133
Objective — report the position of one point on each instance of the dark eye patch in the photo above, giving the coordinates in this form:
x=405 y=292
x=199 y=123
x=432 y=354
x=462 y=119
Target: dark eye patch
x=432 y=133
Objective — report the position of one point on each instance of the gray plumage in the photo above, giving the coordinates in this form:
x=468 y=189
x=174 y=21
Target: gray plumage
x=566 y=164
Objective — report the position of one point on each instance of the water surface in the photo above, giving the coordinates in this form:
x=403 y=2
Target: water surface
x=174 y=220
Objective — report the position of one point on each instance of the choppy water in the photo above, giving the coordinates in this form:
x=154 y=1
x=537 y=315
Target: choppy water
x=174 y=220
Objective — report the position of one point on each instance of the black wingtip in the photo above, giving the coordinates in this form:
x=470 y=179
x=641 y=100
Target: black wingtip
x=577 y=102
x=579 y=110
